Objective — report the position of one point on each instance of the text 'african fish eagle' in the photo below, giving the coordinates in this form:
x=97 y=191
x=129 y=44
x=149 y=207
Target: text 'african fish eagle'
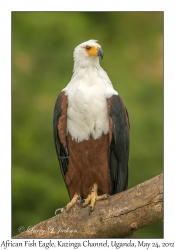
x=91 y=131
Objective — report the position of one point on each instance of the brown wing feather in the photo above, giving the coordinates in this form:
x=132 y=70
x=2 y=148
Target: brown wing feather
x=59 y=131
x=119 y=144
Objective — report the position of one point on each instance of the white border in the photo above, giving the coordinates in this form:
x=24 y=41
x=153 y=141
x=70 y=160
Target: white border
x=5 y=93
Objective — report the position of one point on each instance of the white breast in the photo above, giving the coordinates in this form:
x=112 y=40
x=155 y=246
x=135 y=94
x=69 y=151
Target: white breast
x=87 y=113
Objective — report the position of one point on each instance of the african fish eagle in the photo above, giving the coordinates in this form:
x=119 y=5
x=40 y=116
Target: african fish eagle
x=91 y=131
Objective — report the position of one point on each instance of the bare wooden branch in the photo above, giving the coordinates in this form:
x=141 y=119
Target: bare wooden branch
x=117 y=217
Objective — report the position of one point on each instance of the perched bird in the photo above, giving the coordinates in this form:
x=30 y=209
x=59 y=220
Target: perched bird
x=91 y=131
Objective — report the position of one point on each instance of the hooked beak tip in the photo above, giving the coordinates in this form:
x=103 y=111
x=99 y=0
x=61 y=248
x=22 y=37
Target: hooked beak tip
x=100 y=53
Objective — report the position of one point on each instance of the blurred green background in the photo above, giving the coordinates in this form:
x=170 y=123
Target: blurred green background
x=42 y=48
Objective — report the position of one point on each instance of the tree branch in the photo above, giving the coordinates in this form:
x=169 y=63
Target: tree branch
x=117 y=217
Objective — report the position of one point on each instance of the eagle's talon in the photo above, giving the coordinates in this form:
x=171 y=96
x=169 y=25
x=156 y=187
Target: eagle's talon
x=63 y=210
x=58 y=209
x=90 y=209
x=80 y=200
x=71 y=203
x=84 y=149
x=93 y=197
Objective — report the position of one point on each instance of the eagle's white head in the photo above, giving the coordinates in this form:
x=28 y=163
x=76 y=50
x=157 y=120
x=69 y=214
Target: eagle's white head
x=87 y=91
x=87 y=54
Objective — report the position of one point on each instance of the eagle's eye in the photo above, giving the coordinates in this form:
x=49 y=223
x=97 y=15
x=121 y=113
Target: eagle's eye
x=88 y=47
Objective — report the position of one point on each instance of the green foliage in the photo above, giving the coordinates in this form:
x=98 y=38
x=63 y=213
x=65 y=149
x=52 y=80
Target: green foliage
x=42 y=47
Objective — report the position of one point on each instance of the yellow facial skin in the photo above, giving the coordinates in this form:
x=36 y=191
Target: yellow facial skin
x=94 y=51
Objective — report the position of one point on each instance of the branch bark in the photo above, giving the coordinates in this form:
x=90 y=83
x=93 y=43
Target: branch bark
x=117 y=217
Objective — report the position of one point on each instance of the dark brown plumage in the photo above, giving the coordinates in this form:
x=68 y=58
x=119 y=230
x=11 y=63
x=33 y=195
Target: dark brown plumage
x=103 y=161
x=91 y=131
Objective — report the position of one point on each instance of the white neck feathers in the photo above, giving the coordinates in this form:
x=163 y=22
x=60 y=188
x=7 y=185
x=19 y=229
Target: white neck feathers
x=90 y=86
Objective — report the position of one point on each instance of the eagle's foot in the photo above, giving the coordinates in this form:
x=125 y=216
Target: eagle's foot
x=76 y=199
x=93 y=197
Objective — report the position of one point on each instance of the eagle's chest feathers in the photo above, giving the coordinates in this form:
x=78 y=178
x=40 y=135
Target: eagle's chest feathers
x=87 y=113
